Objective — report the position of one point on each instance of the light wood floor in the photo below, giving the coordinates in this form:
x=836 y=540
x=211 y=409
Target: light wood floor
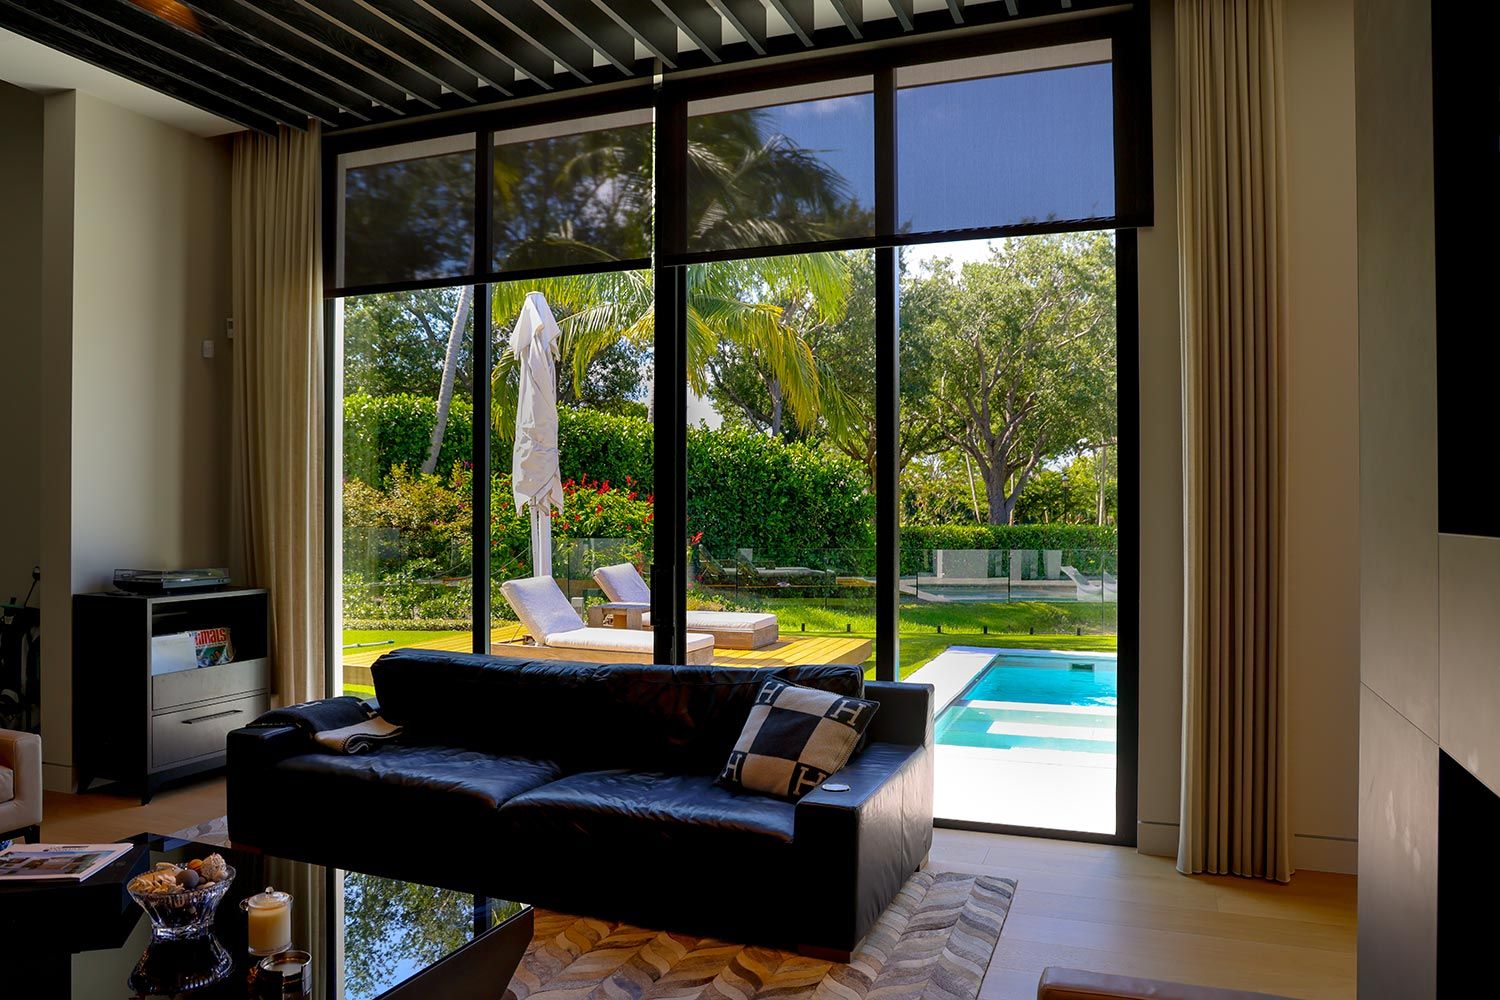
x=1080 y=905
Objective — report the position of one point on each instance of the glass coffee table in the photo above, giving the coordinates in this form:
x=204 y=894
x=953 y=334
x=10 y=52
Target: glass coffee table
x=367 y=937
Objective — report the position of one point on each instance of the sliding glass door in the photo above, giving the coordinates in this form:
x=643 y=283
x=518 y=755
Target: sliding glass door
x=830 y=354
x=1010 y=574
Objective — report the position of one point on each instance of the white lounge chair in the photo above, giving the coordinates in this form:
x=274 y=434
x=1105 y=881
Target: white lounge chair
x=1088 y=590
x=559 y=634
x=622 y=584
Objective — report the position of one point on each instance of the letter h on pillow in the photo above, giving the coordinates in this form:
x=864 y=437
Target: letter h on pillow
x=794 y=739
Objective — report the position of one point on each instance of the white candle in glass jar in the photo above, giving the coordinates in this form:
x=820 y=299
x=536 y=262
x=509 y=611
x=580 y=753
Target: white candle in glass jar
x=269 y=918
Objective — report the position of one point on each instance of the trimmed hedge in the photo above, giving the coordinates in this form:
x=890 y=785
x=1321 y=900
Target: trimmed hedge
x=917 y=543
x=382 y=432
x=788 y=502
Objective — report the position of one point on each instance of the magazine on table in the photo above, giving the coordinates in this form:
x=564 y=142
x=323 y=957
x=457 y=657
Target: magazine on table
x=57 y=862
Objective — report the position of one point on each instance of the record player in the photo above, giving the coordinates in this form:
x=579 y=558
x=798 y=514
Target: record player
x=170 y=581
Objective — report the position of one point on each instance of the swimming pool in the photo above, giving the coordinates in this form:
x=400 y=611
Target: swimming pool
x=1036 y=700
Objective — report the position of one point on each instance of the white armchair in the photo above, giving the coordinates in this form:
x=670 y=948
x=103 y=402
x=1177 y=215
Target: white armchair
x=20 y=785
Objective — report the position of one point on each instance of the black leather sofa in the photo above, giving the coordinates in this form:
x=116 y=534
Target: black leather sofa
x=590 y=789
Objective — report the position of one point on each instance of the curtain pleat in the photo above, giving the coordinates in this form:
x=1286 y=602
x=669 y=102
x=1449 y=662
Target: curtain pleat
x=278 y=396
x=1230 y=210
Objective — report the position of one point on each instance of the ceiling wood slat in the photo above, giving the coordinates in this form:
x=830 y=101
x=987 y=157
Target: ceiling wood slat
x=267 y=63
x=256 y=52
x=798 y=14
x=479 y=64
x=532 y=27
x=903 y=11
x=315 y=37
x=646 y=25
x=26 y=19
x=192 y=60
x=700 y=22
x=377 y=34
x=748 y=18
x=601 y=34
x=852 y=13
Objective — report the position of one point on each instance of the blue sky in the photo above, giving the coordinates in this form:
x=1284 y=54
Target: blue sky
x=993 y=151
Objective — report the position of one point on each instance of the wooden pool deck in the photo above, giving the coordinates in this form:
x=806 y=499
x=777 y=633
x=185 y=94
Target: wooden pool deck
x=788 y=651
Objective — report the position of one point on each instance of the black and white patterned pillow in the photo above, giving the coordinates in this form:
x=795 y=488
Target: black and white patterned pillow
x=794 y=739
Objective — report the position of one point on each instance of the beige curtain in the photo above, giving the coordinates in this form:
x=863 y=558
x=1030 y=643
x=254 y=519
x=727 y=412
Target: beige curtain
x=1230 y=221
x=278 y=396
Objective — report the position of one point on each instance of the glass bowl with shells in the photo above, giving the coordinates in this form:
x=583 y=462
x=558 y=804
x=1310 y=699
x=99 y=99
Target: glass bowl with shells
x=181 y=899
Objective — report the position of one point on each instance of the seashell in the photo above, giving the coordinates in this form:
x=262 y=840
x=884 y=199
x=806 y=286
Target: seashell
x=214 y=868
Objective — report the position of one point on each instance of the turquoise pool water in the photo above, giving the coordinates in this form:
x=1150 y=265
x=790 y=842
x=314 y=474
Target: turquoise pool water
x=1036 y=700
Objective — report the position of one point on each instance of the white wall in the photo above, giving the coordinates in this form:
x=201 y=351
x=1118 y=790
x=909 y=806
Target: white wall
x=1322 y=448
x=1160 y=756
x=20 y=337
x=1322 y=601
x=137 y=254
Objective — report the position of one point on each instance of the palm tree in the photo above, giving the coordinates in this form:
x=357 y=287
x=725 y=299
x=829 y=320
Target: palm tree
x=450 y=372
x=727 y=301
x=749 y=186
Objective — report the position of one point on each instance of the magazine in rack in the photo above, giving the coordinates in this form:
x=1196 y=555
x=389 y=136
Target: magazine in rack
x=57 y=862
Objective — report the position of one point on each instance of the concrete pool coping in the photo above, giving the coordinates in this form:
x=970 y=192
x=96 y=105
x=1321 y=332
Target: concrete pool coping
x=950 y=671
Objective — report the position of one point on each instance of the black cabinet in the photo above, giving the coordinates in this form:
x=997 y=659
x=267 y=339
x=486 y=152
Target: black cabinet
x=132 y=725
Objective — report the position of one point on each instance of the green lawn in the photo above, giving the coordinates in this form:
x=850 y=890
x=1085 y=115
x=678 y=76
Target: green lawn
x=926 y=629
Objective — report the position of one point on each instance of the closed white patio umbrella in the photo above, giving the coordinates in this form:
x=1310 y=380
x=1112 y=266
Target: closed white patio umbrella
x=534 y=477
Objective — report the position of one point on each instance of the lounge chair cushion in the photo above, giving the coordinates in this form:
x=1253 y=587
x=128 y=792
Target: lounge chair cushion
x=7 y=784
x=727 y=621
x=542 y=607
x=619 y=640
x=621 y=583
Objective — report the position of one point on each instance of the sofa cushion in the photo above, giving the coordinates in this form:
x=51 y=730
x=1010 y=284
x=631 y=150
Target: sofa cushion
x=434 y=783
x=684 y=812
x=7 y=784
x=586 y=716
x=794 y=739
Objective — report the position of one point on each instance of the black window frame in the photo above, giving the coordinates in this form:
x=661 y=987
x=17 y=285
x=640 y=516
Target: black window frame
x=667 y=97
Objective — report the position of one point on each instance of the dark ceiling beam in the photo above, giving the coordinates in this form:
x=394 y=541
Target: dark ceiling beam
x=601 y=34
x=441 y=35
x=852 y=13
x=748 y=18
x=360 y=23
x=538 y=31
x=291 y=27
x=646 y=25
x=798 y=14
x=194 y=61
x=356 y=95
x=700 y=22
x=30 y=18
x=903 y=12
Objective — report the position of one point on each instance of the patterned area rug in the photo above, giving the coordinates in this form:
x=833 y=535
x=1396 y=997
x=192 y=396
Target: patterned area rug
x=934 y=942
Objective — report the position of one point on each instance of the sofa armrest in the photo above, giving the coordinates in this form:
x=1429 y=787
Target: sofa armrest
x=905 y=713
x=858 y=847
x=22 y=753
x=251 y=756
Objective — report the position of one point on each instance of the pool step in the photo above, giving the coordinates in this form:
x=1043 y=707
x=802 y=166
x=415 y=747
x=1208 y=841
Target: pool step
x=1095 y=734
